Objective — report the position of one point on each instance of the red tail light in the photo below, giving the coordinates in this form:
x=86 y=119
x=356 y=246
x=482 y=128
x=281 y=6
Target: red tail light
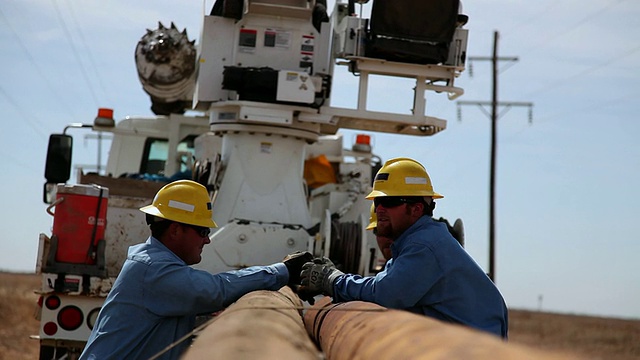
x=70 y=318
x=52 y=302
x=50 y=328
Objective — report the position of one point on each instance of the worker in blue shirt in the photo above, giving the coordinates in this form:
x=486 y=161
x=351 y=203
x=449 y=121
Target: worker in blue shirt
x=429 y=273
x=156 y=297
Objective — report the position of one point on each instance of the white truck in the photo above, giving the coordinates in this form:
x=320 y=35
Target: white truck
x=246 y=113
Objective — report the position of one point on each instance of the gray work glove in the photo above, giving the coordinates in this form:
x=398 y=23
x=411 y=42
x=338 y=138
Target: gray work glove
x=317 y=277
x=294 y=262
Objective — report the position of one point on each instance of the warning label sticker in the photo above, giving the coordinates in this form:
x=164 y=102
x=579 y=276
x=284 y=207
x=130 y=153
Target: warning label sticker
x=283 y=39
x=307 y=43
x=247 y=40
x=265 y=147
x=306 y=51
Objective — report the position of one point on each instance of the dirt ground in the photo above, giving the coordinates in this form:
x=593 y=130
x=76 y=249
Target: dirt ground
x=588 y=337
x=17 y=305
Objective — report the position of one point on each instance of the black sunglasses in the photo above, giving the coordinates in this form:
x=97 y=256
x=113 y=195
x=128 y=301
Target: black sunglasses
x=201 y=230
x=389 y=202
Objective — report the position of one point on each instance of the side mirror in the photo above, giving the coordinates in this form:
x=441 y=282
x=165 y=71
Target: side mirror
x=58 y=163
x=49 y=193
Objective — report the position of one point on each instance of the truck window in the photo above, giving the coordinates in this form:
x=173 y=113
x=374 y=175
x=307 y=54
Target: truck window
x=156 y=152
x=186 y=152
x=155 y=156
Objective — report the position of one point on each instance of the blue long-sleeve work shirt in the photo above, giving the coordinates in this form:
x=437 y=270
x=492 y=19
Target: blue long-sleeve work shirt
x=156 y=297
x=431 y=274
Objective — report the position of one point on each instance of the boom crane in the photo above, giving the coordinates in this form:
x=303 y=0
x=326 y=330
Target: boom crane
x=265 y=77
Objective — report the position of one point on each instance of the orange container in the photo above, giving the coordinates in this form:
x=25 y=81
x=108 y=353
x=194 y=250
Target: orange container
x=79 y=221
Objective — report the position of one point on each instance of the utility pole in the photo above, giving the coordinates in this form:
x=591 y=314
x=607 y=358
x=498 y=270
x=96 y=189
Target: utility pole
x=494 y=131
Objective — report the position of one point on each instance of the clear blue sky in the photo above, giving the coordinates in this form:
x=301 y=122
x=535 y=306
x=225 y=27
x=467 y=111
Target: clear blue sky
x=567 y=184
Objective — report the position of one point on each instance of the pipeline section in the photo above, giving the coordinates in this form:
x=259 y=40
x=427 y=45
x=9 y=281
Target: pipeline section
x=260 y=325
x=361 y=330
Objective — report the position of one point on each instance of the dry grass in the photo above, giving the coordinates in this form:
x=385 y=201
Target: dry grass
x=589 y=337
x=592 y=337
x=17 y=308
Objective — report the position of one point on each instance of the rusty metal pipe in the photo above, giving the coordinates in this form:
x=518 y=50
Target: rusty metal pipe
x=361 y=330
x=260 y=325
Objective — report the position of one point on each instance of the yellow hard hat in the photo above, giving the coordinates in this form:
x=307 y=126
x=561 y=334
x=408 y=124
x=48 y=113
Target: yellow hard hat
x=184 y=201
x=402 y=177
x=373 y=218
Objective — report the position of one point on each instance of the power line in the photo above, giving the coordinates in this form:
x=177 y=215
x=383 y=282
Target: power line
x=576 y=25
x=27 y=165
x=88 y=51
x=565 y=81
x=591 y=16
x=25 y=117
x=558 y=83
x=75 y=52
x=476 y=156
x=533 y=18
x=36 y=66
